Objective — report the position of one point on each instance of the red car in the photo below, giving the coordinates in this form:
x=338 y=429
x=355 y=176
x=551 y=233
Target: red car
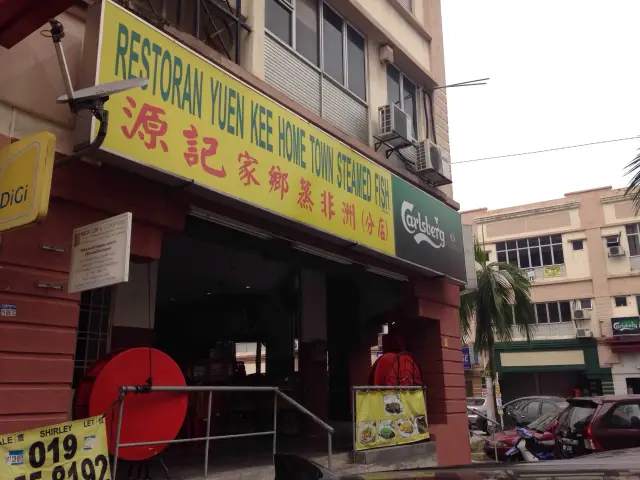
x=543 y=428
x=598 y=423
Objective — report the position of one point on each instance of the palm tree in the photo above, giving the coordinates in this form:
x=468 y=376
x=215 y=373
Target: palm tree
x=500 y=301
x=633 y=189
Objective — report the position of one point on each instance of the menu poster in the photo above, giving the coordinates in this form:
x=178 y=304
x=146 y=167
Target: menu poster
x=389 y=417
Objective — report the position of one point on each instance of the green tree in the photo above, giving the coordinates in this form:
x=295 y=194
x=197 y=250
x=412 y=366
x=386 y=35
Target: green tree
x=501 y=300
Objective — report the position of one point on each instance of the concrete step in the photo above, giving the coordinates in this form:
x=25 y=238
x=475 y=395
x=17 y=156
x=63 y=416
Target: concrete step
x=260 y=467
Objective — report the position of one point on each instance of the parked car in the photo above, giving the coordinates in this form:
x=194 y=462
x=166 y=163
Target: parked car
x=478 y=404
x=543 y=428
x=592 y=424
x=523 y=411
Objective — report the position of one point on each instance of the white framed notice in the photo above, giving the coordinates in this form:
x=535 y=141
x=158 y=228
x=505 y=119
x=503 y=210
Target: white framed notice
x=100 y=254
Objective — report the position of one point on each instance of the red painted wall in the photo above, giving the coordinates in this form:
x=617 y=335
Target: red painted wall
x=38 y=344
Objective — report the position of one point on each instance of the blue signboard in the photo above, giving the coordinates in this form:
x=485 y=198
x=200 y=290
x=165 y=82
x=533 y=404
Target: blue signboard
x=466 y=358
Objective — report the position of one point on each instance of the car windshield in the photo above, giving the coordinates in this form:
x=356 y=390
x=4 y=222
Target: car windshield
x=475 y=402
x=542 y=422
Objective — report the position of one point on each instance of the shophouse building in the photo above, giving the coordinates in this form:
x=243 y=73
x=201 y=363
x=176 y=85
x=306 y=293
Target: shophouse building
x=580 y=253
x=287 y=171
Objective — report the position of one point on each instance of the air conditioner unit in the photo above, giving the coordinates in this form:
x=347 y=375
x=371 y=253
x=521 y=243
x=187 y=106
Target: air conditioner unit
x=580 y=314
x=616 y=251
x=432 y=162
x=394 y=126
x=583 y=333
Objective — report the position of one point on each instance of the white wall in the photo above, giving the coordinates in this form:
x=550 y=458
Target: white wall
x=629 y=367
x=132 y=302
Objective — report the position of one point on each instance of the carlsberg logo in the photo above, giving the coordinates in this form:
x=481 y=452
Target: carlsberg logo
x=419 y=226
x=623 y=325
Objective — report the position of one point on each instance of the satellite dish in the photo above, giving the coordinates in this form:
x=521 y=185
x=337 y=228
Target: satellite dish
x=103 y=90
x=91 y=98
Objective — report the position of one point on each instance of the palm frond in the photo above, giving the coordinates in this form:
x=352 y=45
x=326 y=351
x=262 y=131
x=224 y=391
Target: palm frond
x=500 y=303
x=633 y=189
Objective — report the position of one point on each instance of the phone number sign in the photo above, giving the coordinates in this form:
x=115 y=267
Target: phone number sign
x=68 y=451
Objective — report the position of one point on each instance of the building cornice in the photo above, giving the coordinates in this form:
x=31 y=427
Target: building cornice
x=615 y=199
x=528 y=213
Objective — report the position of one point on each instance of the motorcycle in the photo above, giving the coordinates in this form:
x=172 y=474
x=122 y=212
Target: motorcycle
x=528 y=448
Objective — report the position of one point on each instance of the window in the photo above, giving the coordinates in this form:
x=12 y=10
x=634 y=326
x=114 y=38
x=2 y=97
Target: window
x=532 y=408
x=553 y=312
x=333 y=45
x=626 y=415
x=296 y=23
x=278 y=20
x=307 y=43
x=402 y=92
x=585 y=304
x=577 y=244
x=356 y=78
x=548 y=407
x=93 y=330
x=532 y=252
x=620 y=301
x=633 y=237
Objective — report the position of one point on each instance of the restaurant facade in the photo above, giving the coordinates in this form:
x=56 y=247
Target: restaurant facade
x=258 y=219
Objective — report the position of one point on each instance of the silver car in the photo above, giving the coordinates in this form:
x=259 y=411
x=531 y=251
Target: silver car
x=478 y=404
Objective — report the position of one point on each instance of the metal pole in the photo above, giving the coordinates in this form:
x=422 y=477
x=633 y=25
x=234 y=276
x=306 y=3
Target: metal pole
x=275 y=424
x=118 y=427
x=353 y=421
x=495 y=447
x=330 y=450
x=206 y=448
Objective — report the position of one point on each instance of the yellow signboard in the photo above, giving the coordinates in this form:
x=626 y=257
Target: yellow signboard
x=26 y=167
x=389 y=417
x=72 y=450
x=553 y=272
x=197 y=122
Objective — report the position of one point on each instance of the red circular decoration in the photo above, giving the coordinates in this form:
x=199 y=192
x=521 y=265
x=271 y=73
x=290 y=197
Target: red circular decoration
x=395 y=369
x=146 y=416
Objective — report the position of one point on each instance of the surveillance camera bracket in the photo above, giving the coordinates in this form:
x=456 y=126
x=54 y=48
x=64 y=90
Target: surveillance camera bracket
x=95 y=105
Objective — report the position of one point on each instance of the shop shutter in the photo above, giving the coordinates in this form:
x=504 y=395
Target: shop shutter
x=291 y=75
x=345 y=112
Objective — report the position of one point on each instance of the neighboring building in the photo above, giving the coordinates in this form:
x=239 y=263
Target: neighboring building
x=582 y=254
x=263 y=189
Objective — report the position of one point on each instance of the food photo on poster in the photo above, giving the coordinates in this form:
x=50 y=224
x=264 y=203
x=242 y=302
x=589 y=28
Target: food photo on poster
x=389 y=417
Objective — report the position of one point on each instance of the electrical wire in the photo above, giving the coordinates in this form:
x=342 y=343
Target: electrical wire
x=547 y=150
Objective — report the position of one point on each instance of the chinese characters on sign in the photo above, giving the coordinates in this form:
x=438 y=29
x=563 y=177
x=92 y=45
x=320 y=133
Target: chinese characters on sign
x=196 y=121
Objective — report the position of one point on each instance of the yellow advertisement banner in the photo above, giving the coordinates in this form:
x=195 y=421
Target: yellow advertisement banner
x=197 y=122
x=26 y=169
x=553 y=272
x=389 y=417
x=67 y=451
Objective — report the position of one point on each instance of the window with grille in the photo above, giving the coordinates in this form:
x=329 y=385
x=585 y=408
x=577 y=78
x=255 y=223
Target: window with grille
x=633 y=237
x=532 y=252
x=552 y=312
x=93 y=330
x=297 y=24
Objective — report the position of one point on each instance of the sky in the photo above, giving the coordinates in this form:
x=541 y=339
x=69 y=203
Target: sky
x=562 y=72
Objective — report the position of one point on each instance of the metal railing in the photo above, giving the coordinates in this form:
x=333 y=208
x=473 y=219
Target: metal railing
x=276 y=393
x=484 y=439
